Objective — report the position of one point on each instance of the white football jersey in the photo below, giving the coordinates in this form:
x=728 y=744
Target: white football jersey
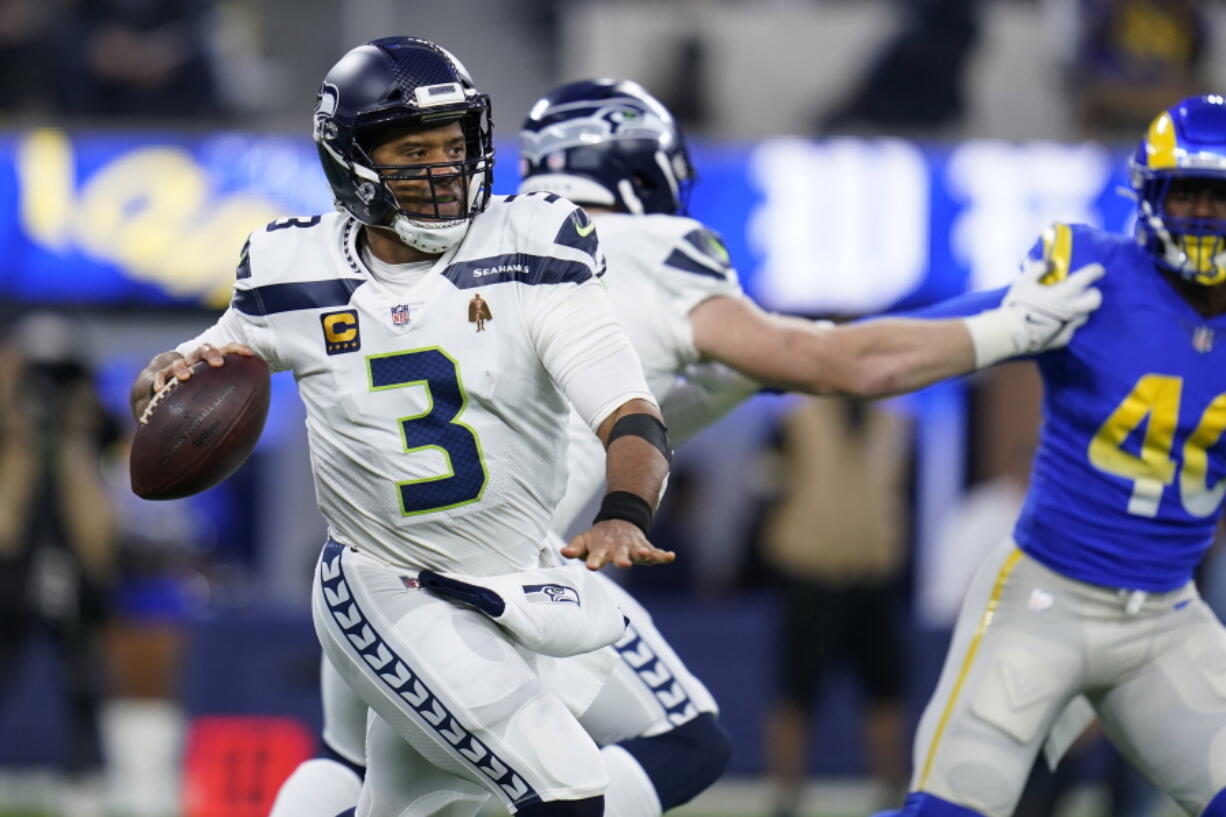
x=660 y=268
x=437 y=410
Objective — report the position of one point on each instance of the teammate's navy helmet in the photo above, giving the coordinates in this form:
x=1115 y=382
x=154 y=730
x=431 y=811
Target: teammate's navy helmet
x=1186 y=141
x=606 y=142
x=387 y=86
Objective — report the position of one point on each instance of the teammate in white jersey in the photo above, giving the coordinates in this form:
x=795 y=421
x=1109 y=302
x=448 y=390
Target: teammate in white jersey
x=705 y=347
x=614 y=147
x=439 y=337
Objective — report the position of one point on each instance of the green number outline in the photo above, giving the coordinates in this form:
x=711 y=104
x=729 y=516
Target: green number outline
x=402 y=486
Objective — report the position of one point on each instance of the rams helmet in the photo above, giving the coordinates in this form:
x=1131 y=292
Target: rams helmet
x=1185 y=142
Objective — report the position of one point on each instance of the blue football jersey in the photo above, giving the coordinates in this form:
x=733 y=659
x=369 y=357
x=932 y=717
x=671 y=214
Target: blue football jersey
x=1128 y=480
x=1129 y=476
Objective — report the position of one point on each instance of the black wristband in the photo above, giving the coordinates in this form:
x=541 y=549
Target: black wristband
x=626 y=506
x=645 y=426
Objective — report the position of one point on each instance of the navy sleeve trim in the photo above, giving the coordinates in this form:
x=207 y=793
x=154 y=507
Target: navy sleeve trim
x=680 y=261
x=578 y=232
x=711 y=246
x=244 y=262
x=521 y=267
x=275 y=298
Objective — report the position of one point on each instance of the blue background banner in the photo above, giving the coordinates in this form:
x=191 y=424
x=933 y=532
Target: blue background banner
x=846 y=225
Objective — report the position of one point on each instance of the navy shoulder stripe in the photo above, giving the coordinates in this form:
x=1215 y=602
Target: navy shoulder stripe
x=244 y=262
x=522 y=267
x=681 y=261
x=274 y=298
x=710 y=245
x=578 y=232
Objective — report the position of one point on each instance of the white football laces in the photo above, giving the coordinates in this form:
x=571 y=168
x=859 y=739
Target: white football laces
x=158 y=398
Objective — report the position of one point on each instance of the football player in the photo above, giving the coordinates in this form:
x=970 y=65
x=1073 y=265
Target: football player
x=1092 y=598
x=435 y=444
x=616 y=149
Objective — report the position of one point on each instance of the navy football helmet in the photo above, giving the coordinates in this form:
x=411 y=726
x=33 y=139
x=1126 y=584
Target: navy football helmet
x=606 y=142
x=395 y=85
x=1185 y=142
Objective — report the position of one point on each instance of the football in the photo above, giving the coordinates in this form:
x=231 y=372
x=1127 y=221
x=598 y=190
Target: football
x=197 y=432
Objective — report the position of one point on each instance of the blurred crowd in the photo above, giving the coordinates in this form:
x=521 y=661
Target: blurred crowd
x=108 y=58
x=104 y=582
x=214 y=59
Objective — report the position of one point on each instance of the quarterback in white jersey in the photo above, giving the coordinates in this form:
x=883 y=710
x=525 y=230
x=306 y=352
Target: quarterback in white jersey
x=612 y=146
x=439 y=338
x=378 y=355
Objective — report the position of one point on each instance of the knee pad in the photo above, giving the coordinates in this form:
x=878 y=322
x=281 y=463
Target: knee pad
x=1217 y=806
x=683 y=762
x=922 y=804
x=328 y=753
x=589 y=807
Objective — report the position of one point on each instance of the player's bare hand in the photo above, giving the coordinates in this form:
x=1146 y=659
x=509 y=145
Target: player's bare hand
x=181 y=368
x=617 y=542
x=170 y=366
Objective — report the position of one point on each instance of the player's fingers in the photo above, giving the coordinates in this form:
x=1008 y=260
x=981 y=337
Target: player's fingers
x=181 y=370
x=1087 y=274
x=1034 y=268
x=651 y=555
x=585 y=547
x=575 y=549
x=1087 y=301
x=211 y=355
x=238 y=349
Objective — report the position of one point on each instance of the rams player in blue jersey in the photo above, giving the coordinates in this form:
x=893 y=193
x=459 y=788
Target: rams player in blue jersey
x=1092 y=597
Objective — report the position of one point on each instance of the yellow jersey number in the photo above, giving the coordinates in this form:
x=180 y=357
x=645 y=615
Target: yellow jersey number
x=1156 y=397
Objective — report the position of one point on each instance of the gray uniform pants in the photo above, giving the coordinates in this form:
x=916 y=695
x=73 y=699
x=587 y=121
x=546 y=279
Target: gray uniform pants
x=1028 y=640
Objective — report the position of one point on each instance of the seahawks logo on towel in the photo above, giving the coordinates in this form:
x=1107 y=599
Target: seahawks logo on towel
x=551 y=594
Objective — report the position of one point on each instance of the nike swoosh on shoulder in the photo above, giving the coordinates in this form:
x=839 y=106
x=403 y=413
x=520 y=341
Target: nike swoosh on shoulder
x=585 y=231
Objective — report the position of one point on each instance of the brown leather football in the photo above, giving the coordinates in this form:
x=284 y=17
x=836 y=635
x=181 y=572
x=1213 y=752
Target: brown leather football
x=197 y=432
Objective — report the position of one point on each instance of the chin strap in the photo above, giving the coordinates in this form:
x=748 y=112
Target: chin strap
x=430 y=238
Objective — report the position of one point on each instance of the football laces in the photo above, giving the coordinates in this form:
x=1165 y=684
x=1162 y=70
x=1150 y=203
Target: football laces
x=158 y=398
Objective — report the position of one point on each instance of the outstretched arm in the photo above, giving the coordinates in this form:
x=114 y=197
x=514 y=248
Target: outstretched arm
x=892 y=355
x=636 y=465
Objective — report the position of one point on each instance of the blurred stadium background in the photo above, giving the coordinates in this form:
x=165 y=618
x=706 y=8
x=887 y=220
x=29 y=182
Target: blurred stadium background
x=858 y=156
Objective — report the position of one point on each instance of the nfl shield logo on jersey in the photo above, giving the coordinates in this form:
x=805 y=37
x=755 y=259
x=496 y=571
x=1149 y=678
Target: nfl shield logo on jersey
x=1202 y=339
x=400 y=315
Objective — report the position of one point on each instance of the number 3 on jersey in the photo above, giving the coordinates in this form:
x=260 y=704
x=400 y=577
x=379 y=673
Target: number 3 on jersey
x=437 y=428
x=1156 y=397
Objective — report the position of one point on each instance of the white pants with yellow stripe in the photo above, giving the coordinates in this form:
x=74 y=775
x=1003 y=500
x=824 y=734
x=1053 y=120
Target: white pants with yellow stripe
x=1029 y=640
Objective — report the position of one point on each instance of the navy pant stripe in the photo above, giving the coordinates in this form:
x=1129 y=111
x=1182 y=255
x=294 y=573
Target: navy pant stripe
x=399 y=677
x=648 y=667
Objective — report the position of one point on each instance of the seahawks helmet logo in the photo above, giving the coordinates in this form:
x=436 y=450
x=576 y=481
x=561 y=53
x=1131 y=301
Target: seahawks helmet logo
x=325 y=109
